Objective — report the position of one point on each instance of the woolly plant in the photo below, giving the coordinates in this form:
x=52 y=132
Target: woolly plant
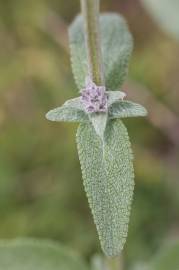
x=101 y=46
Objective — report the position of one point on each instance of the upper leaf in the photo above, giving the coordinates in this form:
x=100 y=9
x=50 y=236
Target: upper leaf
x=74 y=103
x=125 y=108
x=37 y=255
x=108 y=180
x=116 y=43
x=71 y=111
x=114 y=96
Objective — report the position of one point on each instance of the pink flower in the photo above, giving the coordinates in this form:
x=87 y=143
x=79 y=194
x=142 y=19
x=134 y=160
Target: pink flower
x=94 y=98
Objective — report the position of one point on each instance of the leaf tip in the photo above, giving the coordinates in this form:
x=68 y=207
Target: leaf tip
x=49 y=116
x=144 y=111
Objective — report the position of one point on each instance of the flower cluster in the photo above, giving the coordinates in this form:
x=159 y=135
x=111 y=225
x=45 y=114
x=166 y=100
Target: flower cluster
x=94 y=98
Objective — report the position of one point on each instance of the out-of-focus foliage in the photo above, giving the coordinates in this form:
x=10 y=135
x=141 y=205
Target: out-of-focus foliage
x=165 y=13
x=97 y=263
x=167 y=258
x=38 y=255
x=41 y=193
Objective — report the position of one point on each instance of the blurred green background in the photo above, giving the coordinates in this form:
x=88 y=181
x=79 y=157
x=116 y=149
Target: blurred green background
x=41 y=192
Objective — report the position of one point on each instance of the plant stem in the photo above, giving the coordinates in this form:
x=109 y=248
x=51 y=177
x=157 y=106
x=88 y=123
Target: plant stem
x=90 y=12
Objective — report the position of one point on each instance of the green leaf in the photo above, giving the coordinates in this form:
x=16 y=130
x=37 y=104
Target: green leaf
x=37 y=255
x=167 y=258
x=74 y=103
x=123 y=109
x=114 y=96
x=108 y=180
x=99 y=121
x=71 y=111
x=116 y=43
x=165 y=13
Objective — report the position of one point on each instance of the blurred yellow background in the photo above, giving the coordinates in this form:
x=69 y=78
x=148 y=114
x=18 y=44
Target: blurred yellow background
x=41 y=192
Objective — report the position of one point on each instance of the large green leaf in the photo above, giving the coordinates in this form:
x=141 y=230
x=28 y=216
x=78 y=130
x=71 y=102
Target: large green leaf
x=165 y=13
x=116 y=42
x=108 y=180
x=37 y=255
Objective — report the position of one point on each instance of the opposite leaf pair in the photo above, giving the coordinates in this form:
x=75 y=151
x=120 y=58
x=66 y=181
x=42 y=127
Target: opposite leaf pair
x=96 y=106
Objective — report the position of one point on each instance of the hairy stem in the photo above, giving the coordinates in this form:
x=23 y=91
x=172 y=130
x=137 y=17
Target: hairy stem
x=90 y=12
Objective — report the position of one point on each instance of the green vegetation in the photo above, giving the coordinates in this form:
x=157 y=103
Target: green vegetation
x=41 y=193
